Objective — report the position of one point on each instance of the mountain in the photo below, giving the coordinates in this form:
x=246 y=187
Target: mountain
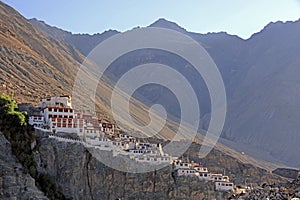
x=260 y=77
x=264 y=107
x=83 y=42
x=35 y=65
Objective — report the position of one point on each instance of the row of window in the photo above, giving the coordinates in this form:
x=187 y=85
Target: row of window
x=205 y=175
x=201 y=169
x=64 y=125
x=91 y=131
x=217 y=178
x=226 y=184
x=155 y=159
x=138 y=151
x=189 y=171
x=184 y=164
x=192 y=172
x=60 y=110
x=61 y=116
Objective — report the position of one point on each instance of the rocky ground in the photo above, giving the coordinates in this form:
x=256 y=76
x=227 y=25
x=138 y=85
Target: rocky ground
x=285 y=191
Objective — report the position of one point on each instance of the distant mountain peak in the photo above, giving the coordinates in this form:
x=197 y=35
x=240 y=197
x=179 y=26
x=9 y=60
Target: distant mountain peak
x=36 y=21
x=281 y=26
x=163 y=23
x=163 y=20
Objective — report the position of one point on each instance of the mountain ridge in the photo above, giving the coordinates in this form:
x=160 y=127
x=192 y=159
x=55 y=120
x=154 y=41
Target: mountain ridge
x=246 y=65
x=40 y=85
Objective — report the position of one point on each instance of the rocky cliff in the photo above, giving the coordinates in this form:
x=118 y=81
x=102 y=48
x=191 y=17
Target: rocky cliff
x=286 y=191
x=14 y=182
x=78 y=175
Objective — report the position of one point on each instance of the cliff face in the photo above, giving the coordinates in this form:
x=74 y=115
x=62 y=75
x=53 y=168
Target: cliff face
x=14 y=183
x=78 y=175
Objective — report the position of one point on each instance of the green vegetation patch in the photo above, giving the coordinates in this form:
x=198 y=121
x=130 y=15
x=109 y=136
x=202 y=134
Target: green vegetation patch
x=14 y=125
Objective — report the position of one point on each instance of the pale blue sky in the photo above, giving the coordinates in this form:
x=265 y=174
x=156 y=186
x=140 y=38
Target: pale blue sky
x=239 y=17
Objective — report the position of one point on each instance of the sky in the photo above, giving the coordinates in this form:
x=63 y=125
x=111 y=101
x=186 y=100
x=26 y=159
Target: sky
x=236 y=17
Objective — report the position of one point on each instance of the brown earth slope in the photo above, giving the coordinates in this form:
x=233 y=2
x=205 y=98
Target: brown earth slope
x=32 y=64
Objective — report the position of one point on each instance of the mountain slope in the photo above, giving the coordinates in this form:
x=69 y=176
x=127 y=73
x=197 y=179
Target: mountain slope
x=260 y=76
x=34 y=65
x=264 y=110
x=83 y=42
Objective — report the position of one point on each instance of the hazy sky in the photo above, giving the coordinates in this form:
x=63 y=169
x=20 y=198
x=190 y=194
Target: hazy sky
x=239 y=17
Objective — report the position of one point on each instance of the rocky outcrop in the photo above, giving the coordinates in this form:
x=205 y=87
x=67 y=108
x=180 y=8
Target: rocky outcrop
x=79 y=175
x=286 y=172
x=14 y=182
x=280 y=192
x=287 y=191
